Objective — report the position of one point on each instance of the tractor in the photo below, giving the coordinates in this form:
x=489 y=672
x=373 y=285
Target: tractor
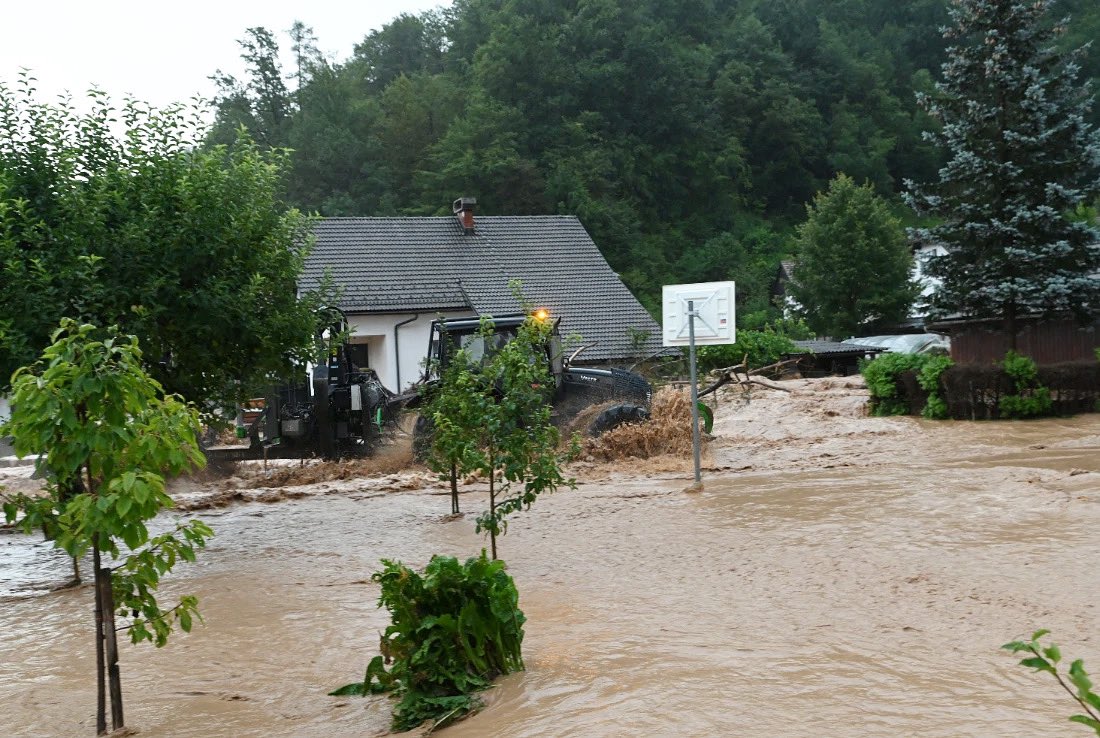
x=339 y=410
x=624 y=394
x=344 y=410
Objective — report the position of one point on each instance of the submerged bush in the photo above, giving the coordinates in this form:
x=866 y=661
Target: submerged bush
x=453 y=630
x=929 y=380
x=1030 y=397
x=881 y=375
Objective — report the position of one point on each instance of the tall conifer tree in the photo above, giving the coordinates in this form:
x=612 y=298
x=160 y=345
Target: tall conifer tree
x=1021 y=156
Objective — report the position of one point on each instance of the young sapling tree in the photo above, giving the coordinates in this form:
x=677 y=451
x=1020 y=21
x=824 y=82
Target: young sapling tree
x=106 y=434
x=493 y=417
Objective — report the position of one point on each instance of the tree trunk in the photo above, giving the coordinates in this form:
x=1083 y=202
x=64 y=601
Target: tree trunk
x=76 y=571
x=100 y=684
x=493 y=505
x=107 y=640
x=114 y=676
x=454 y=488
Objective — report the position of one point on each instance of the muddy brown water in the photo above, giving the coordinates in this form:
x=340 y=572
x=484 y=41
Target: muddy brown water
x=853 y=580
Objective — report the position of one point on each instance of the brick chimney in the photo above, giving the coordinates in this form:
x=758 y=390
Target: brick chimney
x=464 y=210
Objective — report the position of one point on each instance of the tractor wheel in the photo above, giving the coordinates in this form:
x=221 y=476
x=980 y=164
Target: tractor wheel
x=615 y=416
x=423 y=430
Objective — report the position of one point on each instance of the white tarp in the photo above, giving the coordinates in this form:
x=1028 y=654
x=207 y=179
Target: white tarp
x=906 y=343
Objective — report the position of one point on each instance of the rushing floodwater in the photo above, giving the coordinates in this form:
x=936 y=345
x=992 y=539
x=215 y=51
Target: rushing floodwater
x=867 y=599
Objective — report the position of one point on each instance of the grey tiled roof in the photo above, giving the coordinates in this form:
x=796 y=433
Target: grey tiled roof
x=427 y=264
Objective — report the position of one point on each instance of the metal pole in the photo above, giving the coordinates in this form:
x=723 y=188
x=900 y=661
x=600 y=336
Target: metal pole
x=694 y=390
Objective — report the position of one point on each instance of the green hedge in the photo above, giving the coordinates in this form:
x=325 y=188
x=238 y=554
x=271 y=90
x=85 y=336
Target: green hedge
x=932 y=386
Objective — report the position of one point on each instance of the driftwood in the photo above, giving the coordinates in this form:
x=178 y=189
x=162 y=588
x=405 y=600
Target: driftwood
x=730 y=375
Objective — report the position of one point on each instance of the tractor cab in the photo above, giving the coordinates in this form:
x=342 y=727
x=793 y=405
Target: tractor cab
x=464 y=334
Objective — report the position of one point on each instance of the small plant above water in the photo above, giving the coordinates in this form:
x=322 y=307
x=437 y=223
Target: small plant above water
x=1047 y=658
x=1030 y=398
x=454 y=629
x=928 y=377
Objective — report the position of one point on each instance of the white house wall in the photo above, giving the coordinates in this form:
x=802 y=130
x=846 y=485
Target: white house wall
x=5 y=413
x=377 y=332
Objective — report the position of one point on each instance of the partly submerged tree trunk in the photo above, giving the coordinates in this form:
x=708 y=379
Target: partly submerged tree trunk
x=105 y=615
x=492 y=504
x=114 y=676
x=106 y=640
x=100 y=684
x=454 y=488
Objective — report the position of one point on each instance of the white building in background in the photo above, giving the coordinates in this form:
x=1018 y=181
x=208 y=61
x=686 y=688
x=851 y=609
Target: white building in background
x=922 y=252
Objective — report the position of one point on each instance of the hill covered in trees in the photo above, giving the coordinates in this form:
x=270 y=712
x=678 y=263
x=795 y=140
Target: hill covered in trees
x=687 y=135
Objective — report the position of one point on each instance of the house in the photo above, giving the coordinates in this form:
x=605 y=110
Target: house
x=397 y=274
x=780 y=297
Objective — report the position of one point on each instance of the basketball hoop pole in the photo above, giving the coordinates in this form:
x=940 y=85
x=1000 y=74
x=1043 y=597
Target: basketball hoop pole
x=694 y=390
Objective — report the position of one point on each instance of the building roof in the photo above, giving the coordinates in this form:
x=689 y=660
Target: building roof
x=430 y=265
x=823 y=348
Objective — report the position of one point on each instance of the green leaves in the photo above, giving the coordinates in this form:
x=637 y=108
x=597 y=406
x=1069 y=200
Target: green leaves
x=492 y=416
x=1046 y=659
x=453 y=629
x=1030 y=398
x=854 y=262
x=882 y=374
x=192 y=250
x=107 y=434
x=758 y=348
x=135 y=583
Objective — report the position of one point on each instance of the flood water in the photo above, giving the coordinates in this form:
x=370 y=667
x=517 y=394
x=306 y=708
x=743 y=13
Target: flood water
x=853 y=582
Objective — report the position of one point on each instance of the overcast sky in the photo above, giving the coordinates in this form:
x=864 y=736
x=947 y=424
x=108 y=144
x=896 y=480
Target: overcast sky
x=163 y=52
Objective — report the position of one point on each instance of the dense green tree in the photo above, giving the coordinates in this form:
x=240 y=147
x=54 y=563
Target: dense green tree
x=1023 y=155
x=416 y=112
x=406 y=46
x=336 y=152
x=261 y=104
x=482 y=152
x=749 y=254
x=854 y=262
x=191 y=250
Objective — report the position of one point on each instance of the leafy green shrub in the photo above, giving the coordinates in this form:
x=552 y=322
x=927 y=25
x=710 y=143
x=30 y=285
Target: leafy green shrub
x=881 y=375
x=762 y=348
x=929 y=379
x=1046 y=658
x=1030 y=398
x=454 y=629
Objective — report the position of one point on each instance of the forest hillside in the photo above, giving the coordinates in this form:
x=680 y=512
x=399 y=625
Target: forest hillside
x=688 y=136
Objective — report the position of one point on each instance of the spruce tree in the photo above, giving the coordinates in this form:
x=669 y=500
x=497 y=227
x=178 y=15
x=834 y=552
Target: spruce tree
x=1021 y=156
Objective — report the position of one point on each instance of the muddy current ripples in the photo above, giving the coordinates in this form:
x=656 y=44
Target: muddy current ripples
x=857 y=581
